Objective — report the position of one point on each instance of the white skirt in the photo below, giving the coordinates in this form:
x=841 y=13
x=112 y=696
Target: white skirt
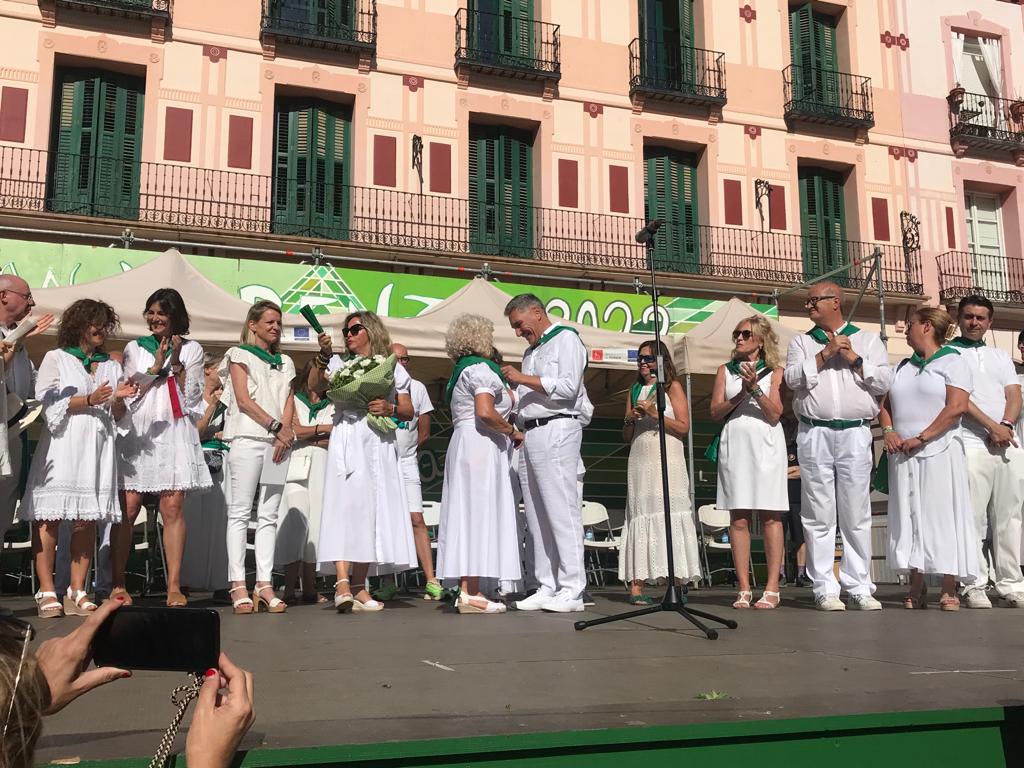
x=752 y=465
x=204 y=565
x=931 y=522
x=168 y=457
x=298 y=519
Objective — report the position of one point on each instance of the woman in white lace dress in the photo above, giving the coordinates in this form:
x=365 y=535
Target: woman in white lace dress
x=74 y=468
x=161 y=452
x=643 y=552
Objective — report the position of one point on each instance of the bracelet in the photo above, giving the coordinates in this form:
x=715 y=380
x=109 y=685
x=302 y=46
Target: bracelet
x=1008 y=424
x=757 y=392
x=887 y=430
x=627 y=422
x=921 y=438
x=88 y=400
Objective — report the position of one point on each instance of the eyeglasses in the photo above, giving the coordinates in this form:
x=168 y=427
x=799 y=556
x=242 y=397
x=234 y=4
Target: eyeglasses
x=15 y=627
x=352 y=330
x=403 y=359
x=645 y=359
x=745 y=335
x=812 y=301
x=26 y=296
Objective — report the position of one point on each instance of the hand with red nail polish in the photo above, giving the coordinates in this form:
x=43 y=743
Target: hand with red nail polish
x=221 y=719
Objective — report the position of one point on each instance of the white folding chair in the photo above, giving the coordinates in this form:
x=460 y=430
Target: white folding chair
x=595 y=520
x=714 y=521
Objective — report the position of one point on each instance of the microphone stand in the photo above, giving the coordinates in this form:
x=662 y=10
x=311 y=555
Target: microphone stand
x=675 y=599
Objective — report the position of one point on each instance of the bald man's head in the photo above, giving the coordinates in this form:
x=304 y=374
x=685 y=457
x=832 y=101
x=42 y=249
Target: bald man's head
x=400 y=350
x=15 y=299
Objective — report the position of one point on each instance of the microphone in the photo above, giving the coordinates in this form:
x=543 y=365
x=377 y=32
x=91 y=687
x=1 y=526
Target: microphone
x=646 y=234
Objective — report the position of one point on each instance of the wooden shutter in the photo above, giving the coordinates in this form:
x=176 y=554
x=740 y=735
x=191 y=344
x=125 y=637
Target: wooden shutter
x=500 y=191
x=71 y=166
x=826 y=83
x=800 y=48
x=822 y=222
x=332 y=18
x=118 y=142
x=667 y=42
x=670 y=194
x=812 y=43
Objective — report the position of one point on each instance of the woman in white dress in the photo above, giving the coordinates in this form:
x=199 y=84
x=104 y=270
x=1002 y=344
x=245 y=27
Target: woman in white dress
x=258 y=429
x=161 y=452
x=478 y=537
x=643 y=553
x=298 y=524
x=365 y=514
x=931 y=523
x=752 y=458
x=204 y=566
x=74 y=468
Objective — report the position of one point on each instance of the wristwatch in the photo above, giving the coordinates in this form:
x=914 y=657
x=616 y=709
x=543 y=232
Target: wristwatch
x=274 y=427
x=1008 y=424
x=858 y=362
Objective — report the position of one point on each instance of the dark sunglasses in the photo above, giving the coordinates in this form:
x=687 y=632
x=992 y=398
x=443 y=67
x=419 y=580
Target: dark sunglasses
x=745 y=335
x=352 y=330
x=812 y=301
x=17 y=629
x=645 y=359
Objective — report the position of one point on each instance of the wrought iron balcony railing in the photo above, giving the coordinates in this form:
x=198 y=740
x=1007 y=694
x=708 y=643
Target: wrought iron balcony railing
x=676 y=73
x=345 y=25
x=979 y=120
x=832 y=98
x=504 y=44
x=181 y=196
x=133 y=8
x=961 y=273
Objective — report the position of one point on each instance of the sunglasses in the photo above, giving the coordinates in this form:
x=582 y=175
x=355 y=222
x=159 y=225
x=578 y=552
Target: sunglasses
x=353 y=330
x=15 y=628
x=645 y=359
x=745 y=335
x=812 y=301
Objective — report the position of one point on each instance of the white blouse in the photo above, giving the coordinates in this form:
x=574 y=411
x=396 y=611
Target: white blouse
x=268 y=387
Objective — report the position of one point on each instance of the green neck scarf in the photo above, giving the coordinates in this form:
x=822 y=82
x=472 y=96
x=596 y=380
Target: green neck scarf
x=149 y=343
x=555 y=330
x=462 y=364
x=271 y=359
x=963 y=343
x=636 y=389
x=733 y=366
x=314 y=408
x=87 y=360
x=919 y=362
x=819 y=335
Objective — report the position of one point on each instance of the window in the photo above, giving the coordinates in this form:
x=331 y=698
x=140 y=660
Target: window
x=985 y=242
x=822 y=222
x=500 y=191
x=502 y=30
x=670 y=194
x=312 y=169
x=812 y=44
x=322 y=18
x=96 y=144
x=667 y=55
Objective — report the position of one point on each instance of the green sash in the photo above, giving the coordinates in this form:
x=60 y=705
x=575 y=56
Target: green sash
x=819 y=335
x=711 y=452
x=87 y=360
x=555 y=330
x=462 y=364
x=215 y=445
x=733 y=366
x=919 y=362
x=314 y=408
x=963 y=343
x=271 y=359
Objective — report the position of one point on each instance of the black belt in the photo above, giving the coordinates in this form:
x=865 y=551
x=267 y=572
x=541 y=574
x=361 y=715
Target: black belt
x=534 y=423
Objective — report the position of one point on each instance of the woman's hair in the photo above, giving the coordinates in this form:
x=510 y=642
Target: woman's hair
x=172 y=305
x=496 y=356
x=255 y=313
x=31 y=700
x=767 y=336
x=670 y=367
x=380 y=339
x=212 y=360
x=942 y=323
x=469 y=335
x=301 y=381
x=80 y=315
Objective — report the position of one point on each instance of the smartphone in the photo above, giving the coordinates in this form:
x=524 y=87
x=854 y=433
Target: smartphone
x=157 y=638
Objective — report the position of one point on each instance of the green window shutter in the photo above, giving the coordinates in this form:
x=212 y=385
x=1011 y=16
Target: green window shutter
x=71 y=166
x=500 y=191
x=822 y=222
x=827 y=82
x=667 y=42
x=800 y=49
x=118 y=142
x=332 y=18
x=502 y=30
x=670 y=194
x=812 y=43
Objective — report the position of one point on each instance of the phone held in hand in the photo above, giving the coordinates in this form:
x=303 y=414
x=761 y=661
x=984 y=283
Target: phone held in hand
x=158 y=638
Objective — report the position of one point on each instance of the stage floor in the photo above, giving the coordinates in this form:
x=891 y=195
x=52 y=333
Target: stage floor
x=416 y=672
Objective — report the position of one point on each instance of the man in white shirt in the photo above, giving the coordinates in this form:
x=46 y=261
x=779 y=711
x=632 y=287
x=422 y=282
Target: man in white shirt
x=553 y=408
x=995 y=462
x=837 y=373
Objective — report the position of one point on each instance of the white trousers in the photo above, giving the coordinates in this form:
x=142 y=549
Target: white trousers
x=835 y=484
x=551 y=478
x=246 y=459
x=997 y=496
x=9 y=485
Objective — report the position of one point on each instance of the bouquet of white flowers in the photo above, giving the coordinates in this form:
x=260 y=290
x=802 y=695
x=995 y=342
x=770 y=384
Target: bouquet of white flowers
x=360 y=380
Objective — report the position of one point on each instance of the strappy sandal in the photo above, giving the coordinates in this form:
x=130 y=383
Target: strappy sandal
x=343 y=601
x=368 y=606
x=465 y=604
x=920 y=600
x=121 y=595
x=176 y=600
x=769 y=601
x=949 y=603
x=77 y=603
x=243 y=605
x=743 y=599
x=273 y=605
x=48 y=606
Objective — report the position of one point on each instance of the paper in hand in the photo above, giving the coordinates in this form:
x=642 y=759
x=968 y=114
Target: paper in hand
x=25 y=327
x=273 y=473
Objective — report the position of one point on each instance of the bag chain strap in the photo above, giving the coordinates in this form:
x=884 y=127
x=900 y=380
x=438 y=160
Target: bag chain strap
x=181 y=697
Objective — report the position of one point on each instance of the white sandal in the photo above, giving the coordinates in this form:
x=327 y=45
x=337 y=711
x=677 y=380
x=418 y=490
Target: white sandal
x=273 y=605
x=77 y=603
x=48 y=606
x=769 y=601
x=242 y=605
x=743 y=599
x=370 y=606
x=343 y=602
x=464 y=605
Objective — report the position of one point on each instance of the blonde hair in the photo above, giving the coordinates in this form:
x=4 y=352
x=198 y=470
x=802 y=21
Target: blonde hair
x=31 y=700
x=943 y=325
x=769 y=339
x=380 y=339
x=253 y=316
x=469 y=335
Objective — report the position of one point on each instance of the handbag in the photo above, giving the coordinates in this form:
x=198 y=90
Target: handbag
x=711 y=452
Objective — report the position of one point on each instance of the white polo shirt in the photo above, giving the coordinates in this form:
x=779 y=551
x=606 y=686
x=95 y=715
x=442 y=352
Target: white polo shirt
x=992 y=372
x=407 y=437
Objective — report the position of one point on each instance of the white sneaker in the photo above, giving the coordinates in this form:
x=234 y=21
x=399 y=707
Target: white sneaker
x=534 y=602
x=1012 y=600
x=864 y=603
x=976 y=598
x=829 y=603
x=564 y=602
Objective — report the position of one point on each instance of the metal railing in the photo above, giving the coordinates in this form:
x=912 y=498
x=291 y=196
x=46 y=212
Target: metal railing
x=352 y=23
x=961 y=273
x=821 y=95
x=503 y=43
x=694 y=74
x=182 y=196
x=983 y=120
x=133 y=7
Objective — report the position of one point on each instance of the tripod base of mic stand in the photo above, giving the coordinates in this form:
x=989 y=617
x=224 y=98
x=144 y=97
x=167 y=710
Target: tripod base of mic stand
x=675 y=602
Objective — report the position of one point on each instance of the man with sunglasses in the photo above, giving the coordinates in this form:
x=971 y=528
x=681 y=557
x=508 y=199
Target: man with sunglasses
x=553 y=408
x=837 y=373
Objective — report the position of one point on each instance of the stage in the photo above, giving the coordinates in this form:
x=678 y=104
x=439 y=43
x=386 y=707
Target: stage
x=418 y=672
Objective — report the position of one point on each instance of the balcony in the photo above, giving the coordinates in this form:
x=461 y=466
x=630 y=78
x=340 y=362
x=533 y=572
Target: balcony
x=504 y=45
x=349 y=26
x=961 y=273
x=232 y=202
x=157 y=12
x=827 y=98
x=989 y=124
x=676 y=74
